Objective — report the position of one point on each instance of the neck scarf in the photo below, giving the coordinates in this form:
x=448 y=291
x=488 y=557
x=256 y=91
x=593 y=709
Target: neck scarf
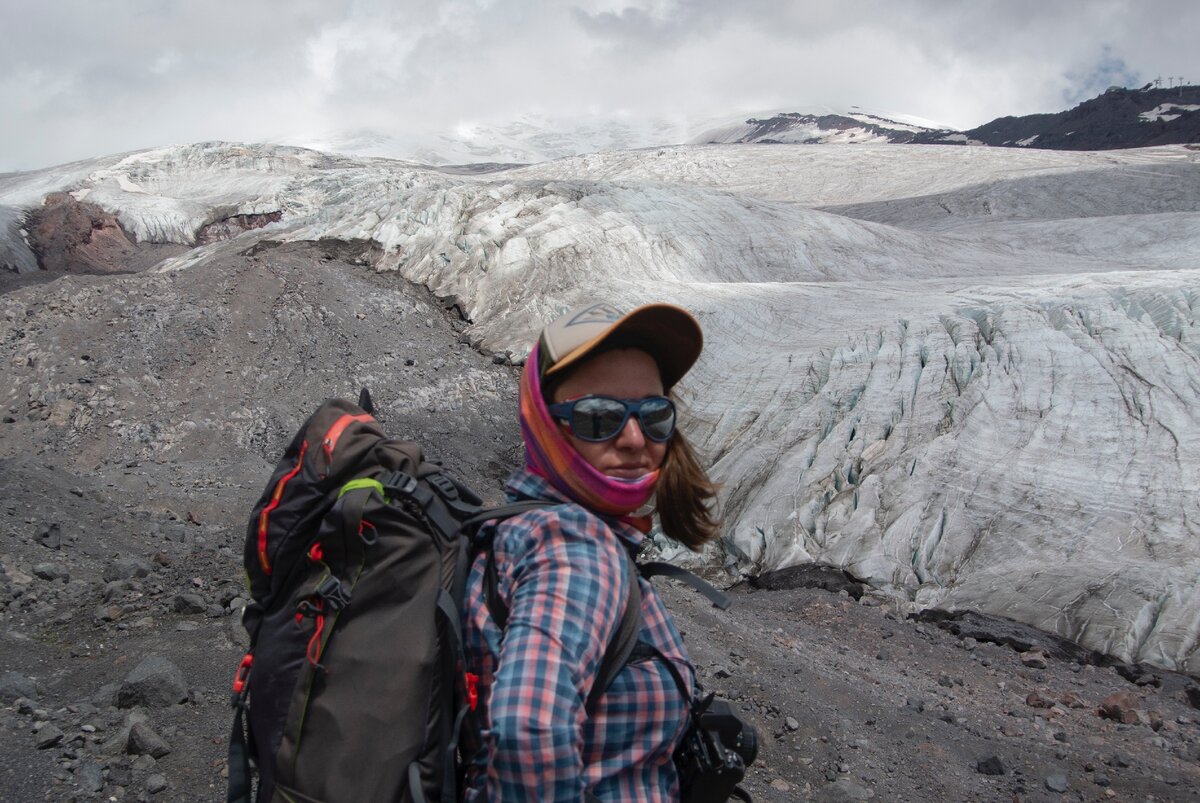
x=550 y=455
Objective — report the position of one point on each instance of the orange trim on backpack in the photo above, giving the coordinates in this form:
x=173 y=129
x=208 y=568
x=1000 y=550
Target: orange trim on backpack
x=243 y=673
x=264 y=517
x=313 y=651
x=339 y=426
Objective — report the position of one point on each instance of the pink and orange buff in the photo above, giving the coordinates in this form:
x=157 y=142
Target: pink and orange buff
x=549 y=454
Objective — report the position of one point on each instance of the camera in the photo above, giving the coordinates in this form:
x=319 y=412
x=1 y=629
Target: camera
x=714 y=754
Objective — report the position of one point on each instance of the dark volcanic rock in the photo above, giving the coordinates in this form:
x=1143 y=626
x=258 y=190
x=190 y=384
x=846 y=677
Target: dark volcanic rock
x=90 y=776
x=1139 y=674
x=143 y=741
x=998 y=630
x=14 y=686
x=1110 y=120
x=126 y=569
x=990 y=765
x=48 y=737
x=810 y=575
x=155 y=682
x=51 y=537
x=156 y=783
x=1057 y=782
x=190 y=603
x=51 y=571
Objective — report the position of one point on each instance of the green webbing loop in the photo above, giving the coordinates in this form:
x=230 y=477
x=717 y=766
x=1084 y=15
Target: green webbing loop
x=363 y=482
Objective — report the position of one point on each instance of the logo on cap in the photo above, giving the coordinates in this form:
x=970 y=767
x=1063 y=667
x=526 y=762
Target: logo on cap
x=597 y=313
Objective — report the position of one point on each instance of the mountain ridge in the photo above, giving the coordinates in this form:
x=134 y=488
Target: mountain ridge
x=1116 y=119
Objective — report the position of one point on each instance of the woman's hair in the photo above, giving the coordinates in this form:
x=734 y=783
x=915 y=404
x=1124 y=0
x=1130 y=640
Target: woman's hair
x=686 y=497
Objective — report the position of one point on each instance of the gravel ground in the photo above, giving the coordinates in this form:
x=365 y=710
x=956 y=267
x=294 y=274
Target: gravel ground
x=141 y=415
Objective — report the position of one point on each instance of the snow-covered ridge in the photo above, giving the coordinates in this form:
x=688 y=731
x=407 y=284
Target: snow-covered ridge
x=819 y=126
x=970 y=375
x=1163 y=111
x=527 y=139
x=533 y=138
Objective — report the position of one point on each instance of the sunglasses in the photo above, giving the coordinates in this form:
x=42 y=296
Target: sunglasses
x=600 y=418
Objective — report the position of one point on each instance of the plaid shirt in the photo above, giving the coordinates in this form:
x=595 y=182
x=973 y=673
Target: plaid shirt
x=562 y=574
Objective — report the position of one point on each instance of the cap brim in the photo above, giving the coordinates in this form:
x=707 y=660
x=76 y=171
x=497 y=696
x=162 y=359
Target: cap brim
x=668 y=333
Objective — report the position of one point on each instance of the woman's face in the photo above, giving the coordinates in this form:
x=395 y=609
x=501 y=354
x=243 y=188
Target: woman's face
x=629 y=374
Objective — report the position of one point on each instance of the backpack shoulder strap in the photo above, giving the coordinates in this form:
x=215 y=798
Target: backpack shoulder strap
x=655 y=568
x=620 y=646
x=491 y=583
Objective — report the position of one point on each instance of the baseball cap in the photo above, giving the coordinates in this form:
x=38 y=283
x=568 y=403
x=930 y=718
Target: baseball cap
x=668 y=333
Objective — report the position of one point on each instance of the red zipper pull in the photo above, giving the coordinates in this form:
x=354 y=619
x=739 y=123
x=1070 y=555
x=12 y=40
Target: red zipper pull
x=472 y=690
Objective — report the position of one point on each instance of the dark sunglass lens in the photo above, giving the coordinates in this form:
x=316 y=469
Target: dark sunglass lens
x=658 y=419
x=598 y=419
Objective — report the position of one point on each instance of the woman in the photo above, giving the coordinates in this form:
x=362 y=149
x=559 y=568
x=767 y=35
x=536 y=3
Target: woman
x=601 y=444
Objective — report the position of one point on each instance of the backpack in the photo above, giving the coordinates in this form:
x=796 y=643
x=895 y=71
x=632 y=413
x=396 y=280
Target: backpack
x=354 y=687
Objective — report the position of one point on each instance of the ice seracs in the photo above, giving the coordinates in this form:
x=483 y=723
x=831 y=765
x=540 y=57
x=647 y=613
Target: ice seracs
x=969 y=375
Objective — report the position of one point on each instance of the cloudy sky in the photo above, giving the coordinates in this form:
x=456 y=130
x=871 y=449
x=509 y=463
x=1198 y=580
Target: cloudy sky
x=81 y=78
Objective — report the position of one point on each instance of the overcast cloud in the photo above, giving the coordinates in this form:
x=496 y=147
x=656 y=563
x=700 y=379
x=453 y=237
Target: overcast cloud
x=80 y=78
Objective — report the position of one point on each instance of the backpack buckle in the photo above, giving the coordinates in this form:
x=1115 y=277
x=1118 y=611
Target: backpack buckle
x=401 y=482
x=334 y=592
x=462 y=506
x=443 y=485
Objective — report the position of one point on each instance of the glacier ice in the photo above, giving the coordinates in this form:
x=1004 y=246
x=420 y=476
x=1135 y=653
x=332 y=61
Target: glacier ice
x=970 y=375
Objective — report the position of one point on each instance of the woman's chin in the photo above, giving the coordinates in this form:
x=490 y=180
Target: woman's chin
x=626 y=475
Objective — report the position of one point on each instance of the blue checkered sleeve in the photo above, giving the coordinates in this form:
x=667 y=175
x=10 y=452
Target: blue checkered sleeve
x=561 y=572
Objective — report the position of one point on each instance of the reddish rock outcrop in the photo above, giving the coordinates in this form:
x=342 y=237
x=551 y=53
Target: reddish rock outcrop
x=232 y=226
x=71 y=236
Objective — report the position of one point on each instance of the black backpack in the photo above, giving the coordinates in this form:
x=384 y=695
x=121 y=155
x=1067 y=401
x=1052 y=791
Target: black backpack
x=354 y=686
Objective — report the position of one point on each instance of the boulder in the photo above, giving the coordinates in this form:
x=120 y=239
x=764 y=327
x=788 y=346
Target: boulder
x=156 y=783
x=1057 y=782
x=1034 y=659
x=190 y=603
x=143 y=741
x=51 y=537
x=126 y=569
x=51 y=571
x=155 y=682
x=90 y=776
x=14 y=685
x=990 y=765
x=48 y=737
x=1121 y=707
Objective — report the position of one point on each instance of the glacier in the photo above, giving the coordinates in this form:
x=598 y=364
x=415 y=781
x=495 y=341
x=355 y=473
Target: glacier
x=970 y=376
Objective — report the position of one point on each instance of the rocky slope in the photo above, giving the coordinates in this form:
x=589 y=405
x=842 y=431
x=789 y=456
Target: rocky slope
x=969 y=378
x=141 y=413
x=1118 y=118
